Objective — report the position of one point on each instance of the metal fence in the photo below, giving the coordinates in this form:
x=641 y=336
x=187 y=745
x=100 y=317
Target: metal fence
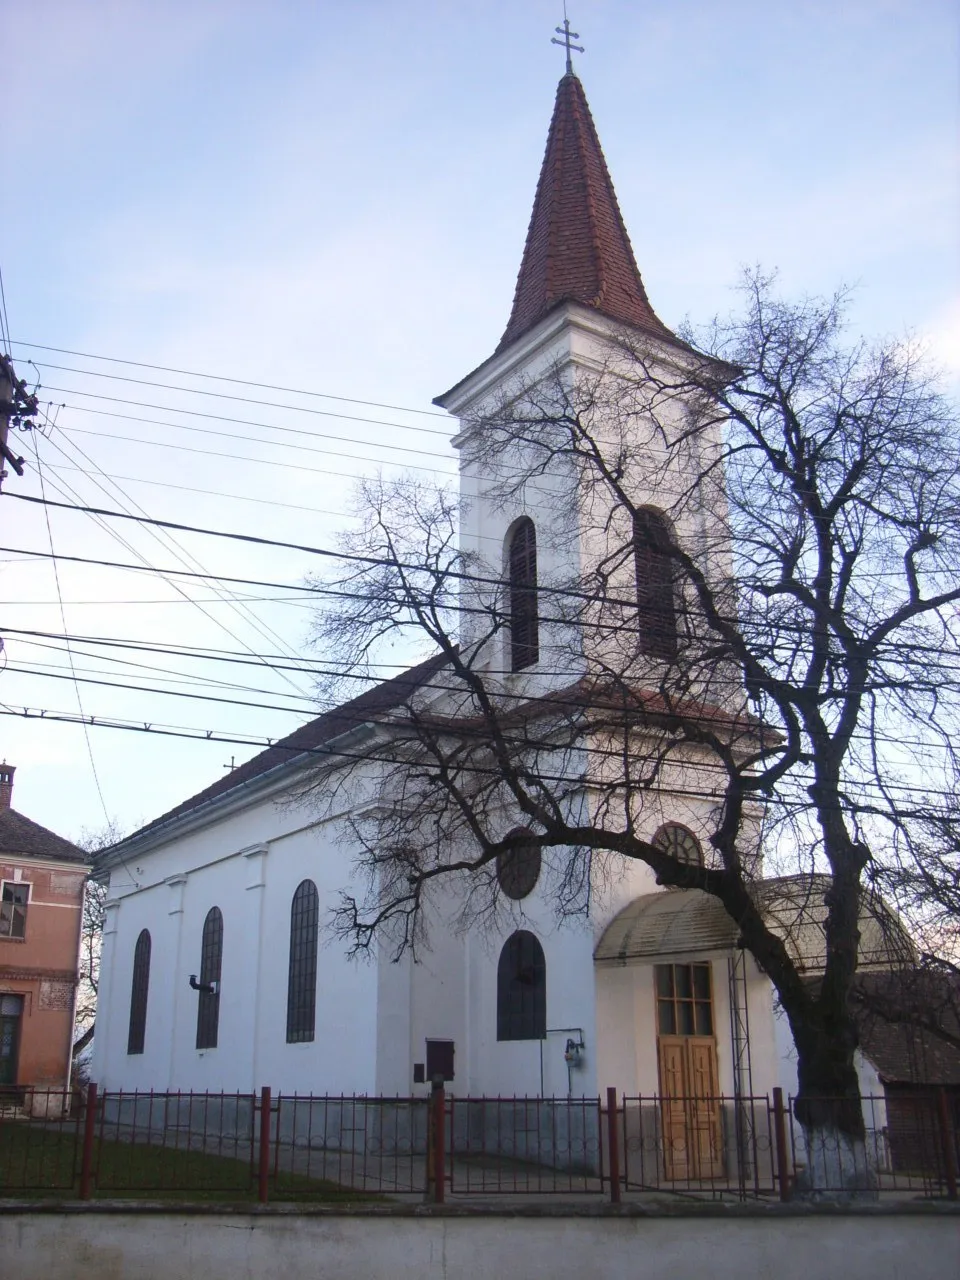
x=243 y=1146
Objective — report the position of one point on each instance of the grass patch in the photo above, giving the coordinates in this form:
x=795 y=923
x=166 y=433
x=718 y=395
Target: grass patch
x=37 y=1159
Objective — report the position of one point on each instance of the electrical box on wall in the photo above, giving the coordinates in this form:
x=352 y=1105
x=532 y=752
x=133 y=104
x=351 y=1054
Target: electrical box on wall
x=440 y=1054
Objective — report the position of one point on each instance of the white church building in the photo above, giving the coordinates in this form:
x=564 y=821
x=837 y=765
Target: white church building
x=218 y=972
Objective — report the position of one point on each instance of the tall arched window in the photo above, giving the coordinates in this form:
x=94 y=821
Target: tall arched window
x=138 y=993
x=302 y=972
x=656 y=606
x=211 y=958
x=524 y=623
x=521 y=989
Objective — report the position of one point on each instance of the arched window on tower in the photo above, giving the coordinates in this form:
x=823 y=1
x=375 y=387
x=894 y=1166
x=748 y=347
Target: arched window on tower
x=522 y=571
x=138 y=993
x=680 y=843
x=211 y=959
x=302 y=971
x=656 y=603
x=521 y=989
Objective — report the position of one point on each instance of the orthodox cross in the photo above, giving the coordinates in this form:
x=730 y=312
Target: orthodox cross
x=567 y=41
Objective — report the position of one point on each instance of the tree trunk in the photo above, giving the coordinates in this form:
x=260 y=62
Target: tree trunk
x=829 y=1111
x=84 y=1040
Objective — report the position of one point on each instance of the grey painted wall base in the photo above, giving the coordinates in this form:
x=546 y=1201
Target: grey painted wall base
x=114 y=1242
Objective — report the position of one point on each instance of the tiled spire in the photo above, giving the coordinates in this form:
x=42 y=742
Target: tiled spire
x=577 y=246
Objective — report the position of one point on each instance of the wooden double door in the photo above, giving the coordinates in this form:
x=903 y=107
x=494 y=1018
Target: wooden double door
x=689 y=1088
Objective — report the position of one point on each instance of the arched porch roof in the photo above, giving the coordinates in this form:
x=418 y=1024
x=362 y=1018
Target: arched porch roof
x=681 y=921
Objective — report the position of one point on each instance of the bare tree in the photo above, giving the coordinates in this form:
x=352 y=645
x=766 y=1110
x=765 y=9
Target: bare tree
x=91 y=939
x=923 y=879
x=745 y=598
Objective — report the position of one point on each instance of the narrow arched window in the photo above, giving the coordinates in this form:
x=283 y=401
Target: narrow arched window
x=211 y=958
x=521 y=989
x=656 y=606
x=524 y=622
x=138 y=993
x=302 y=972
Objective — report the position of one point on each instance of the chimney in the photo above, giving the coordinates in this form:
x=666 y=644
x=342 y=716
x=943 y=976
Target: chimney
x=6 y=785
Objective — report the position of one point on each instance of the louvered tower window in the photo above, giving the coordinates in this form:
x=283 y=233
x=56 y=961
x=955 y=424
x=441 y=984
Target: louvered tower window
x=302 y=971
x=211 y=958
x=656 y=605
x=524 y=622
x=138 y=993
x=521 y=989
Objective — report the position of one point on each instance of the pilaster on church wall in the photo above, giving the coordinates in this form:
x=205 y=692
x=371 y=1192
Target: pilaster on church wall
x=223 y=861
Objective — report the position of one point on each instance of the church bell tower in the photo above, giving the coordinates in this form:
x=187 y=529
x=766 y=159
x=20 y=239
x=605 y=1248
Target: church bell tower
x=579 y=304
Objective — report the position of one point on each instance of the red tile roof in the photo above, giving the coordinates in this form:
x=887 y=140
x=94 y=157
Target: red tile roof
x=577 y=246
x=21 y=835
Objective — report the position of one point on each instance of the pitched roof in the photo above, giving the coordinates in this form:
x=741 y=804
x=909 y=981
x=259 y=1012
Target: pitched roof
x=309 y=737
x=908 y=1021
x=21 y=835
x=577 y=246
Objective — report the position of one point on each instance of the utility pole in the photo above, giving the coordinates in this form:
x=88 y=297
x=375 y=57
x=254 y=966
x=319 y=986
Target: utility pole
x=16 y=405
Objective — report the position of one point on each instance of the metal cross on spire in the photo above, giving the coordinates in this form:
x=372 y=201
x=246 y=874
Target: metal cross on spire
x=567 y=41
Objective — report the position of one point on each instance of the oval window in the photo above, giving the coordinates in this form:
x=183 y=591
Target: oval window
x=518 y=870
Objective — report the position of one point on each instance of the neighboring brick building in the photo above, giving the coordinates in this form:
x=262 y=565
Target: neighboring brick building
x=42 y=880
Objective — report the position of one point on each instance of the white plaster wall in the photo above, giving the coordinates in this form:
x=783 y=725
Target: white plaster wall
x=531 y=1067
x=627 y=1025
x=249 y=865
x=451 y=993
x=573 y=528
x=764 y=1245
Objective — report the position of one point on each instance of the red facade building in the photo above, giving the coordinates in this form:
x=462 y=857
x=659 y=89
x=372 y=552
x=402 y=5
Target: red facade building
x=42 y=879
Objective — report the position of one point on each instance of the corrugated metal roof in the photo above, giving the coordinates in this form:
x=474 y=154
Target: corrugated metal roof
x=675 y=921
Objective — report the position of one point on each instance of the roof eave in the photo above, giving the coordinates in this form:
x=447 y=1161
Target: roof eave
x=567 y=313
x=252 y=791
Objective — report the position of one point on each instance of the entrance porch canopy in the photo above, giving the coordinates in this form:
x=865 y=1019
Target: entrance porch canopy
x=681 y=921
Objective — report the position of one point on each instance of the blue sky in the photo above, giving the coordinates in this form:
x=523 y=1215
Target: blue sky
x=333 y=198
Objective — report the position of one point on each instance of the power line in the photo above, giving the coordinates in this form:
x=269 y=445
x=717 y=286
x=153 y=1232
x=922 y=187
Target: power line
x=557 y=702
x=221 y=395
x=236 y=457
x=57 y=671
x=239 y=382
x=4 y=318
x=165 y=675
x=185 y=557
x=210 y=493
x=212 y=735
x=63 y=620
x=247 y=422
x=323 y=552
x=315 y=666
x=168 y=693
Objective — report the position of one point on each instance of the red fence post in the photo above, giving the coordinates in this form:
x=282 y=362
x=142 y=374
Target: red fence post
x=780 y=1144
x=949 y=1142
x=263 y=1170
x=613 y=1143
x=89 y=1132
x=438 y=1108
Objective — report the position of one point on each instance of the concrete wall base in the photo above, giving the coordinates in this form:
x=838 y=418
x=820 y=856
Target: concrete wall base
x=143 y=1242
